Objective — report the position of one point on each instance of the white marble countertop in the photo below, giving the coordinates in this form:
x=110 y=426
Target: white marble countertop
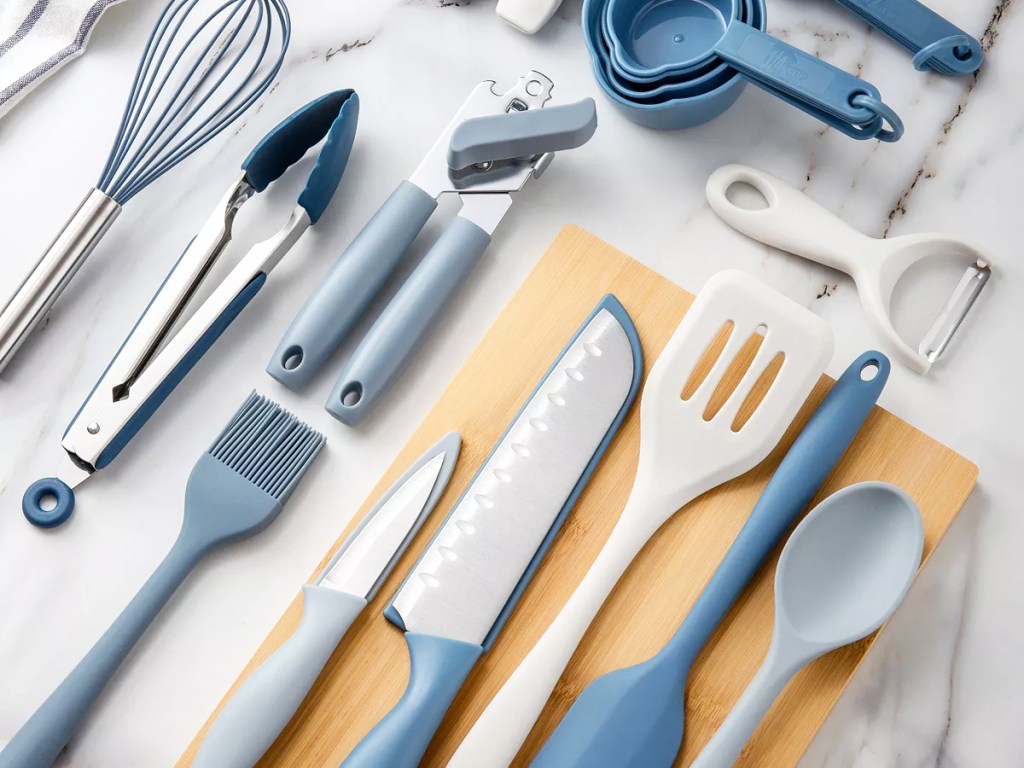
x=945 y=685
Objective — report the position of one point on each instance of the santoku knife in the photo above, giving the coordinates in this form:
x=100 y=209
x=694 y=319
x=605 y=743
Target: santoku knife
x=458 y=596
x=261 y=708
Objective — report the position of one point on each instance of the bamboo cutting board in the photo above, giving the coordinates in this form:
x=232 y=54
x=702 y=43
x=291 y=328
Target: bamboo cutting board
x=369 y=670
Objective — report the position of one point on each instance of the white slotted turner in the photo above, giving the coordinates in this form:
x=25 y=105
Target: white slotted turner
x=682 y=455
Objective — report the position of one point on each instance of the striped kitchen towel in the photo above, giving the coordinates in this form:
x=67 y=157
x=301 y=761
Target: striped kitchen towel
x=37 y=37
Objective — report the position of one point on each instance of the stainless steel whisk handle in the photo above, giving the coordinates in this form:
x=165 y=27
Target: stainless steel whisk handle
x=54 y=270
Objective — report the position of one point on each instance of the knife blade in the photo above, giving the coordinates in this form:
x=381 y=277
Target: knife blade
x=261 y=708
x=458 y=596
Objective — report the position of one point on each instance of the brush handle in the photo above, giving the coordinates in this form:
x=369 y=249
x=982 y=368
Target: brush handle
x=261 y=708
x=495 y=739
x=42 y=738
x=805 y=468
x=399 y=740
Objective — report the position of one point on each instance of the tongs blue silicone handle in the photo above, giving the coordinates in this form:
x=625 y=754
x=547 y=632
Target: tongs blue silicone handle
x=334 y=116
x=154 y=358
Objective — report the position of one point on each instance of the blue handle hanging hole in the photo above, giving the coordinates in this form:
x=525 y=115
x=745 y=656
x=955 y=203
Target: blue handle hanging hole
x=352 y=394
x=49 y=490
x=292 y=358
x=870 y=370
x=883 y=113
x=962 y=48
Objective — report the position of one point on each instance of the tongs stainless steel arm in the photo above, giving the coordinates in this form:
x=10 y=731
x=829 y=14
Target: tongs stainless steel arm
x=166 y=343
x=494 y=145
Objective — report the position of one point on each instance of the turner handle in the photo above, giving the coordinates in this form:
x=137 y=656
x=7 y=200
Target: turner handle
x=261 y=708
x=41 y=739
x=495 y=739
x=439 y=667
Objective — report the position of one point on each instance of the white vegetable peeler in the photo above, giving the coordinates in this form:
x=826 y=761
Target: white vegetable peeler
x=795 y=223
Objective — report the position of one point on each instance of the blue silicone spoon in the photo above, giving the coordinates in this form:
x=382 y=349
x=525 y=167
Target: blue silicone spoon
x=633 y=717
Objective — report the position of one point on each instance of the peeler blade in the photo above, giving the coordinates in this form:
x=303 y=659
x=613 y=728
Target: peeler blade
x=954 y=311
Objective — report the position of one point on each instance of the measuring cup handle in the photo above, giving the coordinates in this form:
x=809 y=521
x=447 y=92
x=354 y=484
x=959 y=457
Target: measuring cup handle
x=945 y=47
x=791 y=221
x=809 y=80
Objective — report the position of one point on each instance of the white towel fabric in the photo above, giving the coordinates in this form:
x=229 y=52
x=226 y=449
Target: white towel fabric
x=37 y=37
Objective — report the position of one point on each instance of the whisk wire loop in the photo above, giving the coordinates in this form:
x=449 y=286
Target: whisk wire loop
x=179 y=99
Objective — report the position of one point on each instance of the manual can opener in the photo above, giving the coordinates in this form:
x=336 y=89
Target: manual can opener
x=158 y=354
x=495 y=144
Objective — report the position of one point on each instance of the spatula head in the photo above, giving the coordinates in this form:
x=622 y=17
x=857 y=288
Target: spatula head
x=727 y=385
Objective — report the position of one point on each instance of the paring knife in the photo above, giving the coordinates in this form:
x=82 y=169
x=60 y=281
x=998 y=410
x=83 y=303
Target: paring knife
x=269 y=697
x=457 y=598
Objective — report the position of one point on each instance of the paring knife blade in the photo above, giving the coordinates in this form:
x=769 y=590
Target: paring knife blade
x=460 y=593
x=269 y=697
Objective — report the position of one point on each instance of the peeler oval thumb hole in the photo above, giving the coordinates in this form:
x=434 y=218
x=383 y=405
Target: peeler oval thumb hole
x=48 y=503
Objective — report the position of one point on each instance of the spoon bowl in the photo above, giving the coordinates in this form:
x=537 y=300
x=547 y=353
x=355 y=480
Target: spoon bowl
x=842 y=574
x=847 y=568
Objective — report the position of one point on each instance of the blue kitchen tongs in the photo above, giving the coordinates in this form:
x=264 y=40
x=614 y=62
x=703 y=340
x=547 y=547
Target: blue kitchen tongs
x=158 y=354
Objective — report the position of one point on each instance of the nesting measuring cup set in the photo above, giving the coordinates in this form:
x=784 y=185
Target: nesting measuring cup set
x=671 y=64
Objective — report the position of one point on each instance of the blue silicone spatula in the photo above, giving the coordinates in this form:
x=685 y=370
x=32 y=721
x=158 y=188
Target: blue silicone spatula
x=633 y=717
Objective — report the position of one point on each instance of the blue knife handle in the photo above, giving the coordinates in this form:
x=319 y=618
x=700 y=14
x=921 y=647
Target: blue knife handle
x=808 y=463
x=399 y=740
x=399 y=331
x=356 y=278
x=262 y=706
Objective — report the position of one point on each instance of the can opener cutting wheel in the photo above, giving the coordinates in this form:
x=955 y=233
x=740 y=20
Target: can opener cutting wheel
x=793 y=222
x=158 y=353
x=495 y=144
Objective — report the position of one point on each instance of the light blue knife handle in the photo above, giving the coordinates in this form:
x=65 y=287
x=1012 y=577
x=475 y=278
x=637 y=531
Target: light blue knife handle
x=356 y=278
x=42 y=738
x=260 y=709
x=632 y=718
x=399 y=331
x=439 y=667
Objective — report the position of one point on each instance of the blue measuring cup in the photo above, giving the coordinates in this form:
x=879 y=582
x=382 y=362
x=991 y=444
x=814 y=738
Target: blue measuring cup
x=716 y=73
x=660 y=113
x=936 y=43
x=658 y=38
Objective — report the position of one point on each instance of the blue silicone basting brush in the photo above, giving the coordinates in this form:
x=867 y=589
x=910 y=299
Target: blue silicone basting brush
x=236 y=489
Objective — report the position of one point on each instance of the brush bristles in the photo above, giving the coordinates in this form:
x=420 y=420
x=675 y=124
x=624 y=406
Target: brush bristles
x=267 y=446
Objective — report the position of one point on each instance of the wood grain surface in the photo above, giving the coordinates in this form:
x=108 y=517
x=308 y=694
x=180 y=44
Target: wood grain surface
x=369 y=671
